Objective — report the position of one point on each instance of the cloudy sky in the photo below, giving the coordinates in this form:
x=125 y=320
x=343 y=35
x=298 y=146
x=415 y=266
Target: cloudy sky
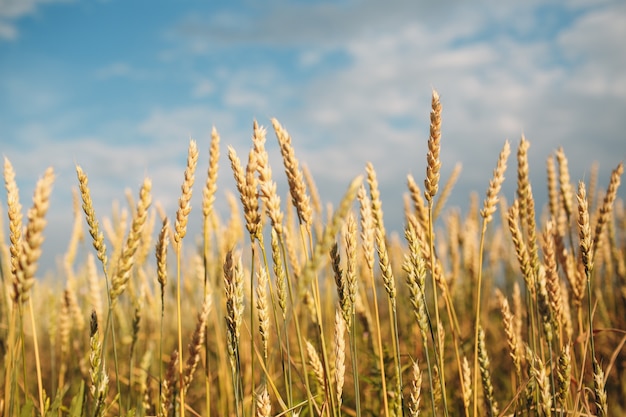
x=121 y=86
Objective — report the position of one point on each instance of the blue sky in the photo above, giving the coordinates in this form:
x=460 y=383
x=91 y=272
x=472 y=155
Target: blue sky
x=121 y=86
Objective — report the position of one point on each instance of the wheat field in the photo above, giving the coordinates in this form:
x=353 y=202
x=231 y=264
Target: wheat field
x=291 y=306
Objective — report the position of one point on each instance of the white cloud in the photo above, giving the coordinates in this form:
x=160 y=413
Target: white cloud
x=7 y=31
x=123 y=70
x=203 y=88
x=12 y=11
x=595 y=45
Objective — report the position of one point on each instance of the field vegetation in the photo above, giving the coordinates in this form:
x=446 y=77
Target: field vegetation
x=295 y=307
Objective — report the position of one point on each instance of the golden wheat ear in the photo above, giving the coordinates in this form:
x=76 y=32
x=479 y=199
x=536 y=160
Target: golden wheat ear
x=431 y=183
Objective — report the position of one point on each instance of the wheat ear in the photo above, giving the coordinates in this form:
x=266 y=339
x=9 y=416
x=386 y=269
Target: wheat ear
x=567 y=194
x=126 y=260
x=94 y=227
x=553 y=191
x=431 y=183
x=247 y=186
x=485 y=374
x=263 y=404
x=416 y=391
x=604 y=211
x=210 y=187
x=33 y=238
x=15 y=215
x=197 y=340
x=263 y=310
x=295 y=178
x=340 y=357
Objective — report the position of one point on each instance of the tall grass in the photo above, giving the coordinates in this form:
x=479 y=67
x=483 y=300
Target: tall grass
x=471 y=314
